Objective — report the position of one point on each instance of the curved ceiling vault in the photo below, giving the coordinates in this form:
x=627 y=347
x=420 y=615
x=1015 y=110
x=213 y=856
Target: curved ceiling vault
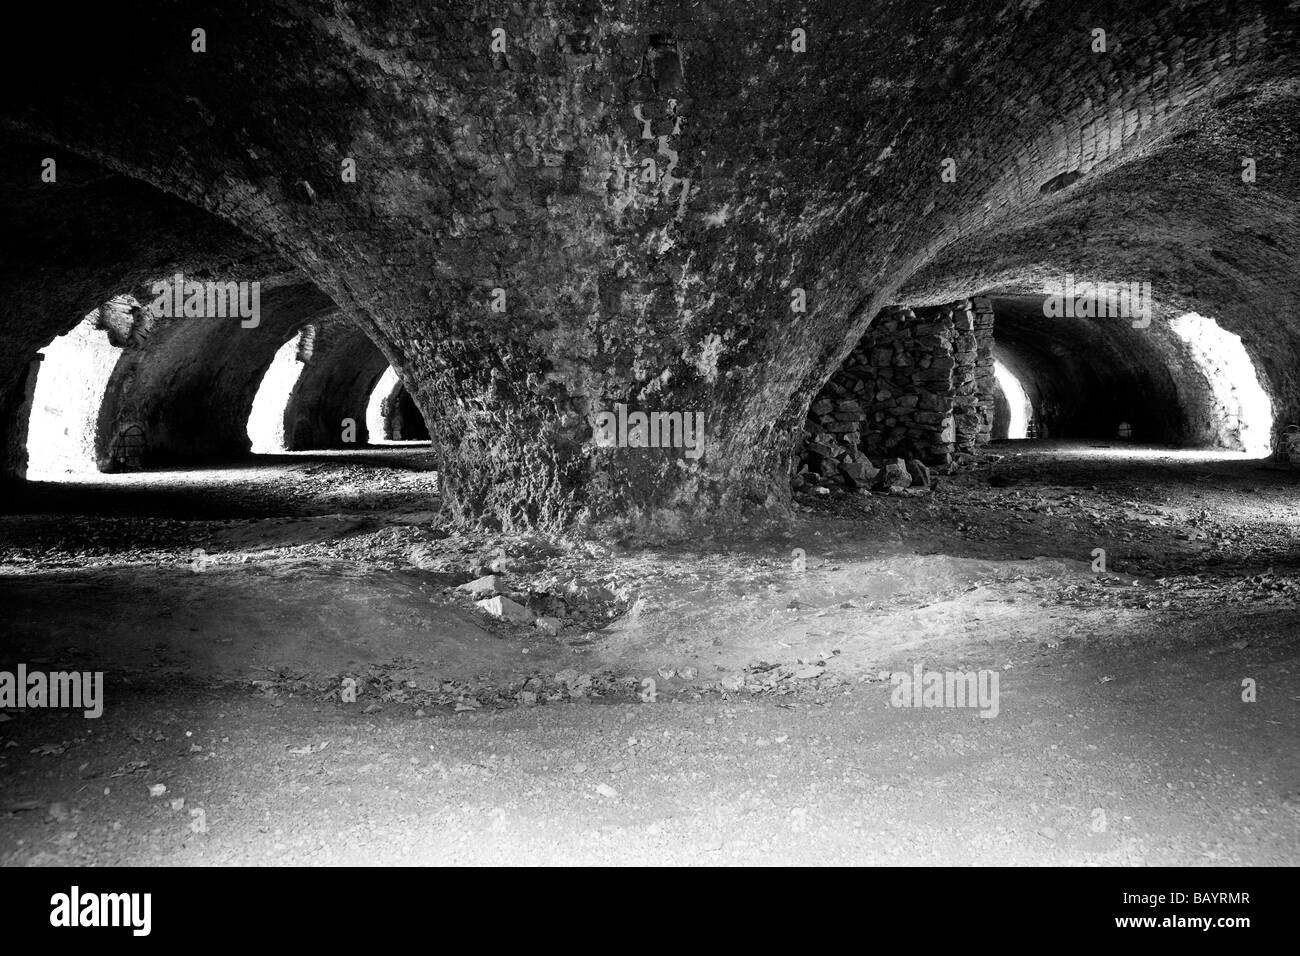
x=188 y=383
x=516 y=180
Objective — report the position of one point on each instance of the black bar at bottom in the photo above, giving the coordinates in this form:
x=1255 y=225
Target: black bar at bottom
x=332 y=905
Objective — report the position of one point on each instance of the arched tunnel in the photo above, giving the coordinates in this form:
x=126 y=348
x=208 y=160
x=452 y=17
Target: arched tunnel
x=456 y=367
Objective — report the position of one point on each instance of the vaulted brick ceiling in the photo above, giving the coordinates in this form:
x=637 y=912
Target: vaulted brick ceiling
x=774 y=169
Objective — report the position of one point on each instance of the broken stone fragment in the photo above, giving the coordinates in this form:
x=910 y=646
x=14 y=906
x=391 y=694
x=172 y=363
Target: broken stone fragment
x=589 y=592
x=485 y=586
x=576 y=684
x=550 y=626
x=861 y=473
x=920 y=474
x=426 y=558
x=894 y=476
x=505 y=609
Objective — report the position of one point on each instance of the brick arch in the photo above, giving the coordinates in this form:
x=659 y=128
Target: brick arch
x=518 y=172
x=335 y=384
x=1085 y=376
x=71 y=249
x=1181 y=218
x=190 y=386
x=403 y=420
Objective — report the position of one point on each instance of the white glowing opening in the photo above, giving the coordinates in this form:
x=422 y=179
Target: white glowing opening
x=1222 y=358
x=1017 y=401
x=266 y=422
x=70 y=385
x=374 y=408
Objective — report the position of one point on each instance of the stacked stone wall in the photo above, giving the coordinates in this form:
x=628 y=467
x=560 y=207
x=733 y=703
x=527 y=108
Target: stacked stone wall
x=919 y=386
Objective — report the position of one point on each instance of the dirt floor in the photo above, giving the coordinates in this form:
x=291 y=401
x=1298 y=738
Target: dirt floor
x=729 y=702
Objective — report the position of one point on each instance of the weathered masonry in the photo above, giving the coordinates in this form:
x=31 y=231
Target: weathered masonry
x=918 y=386
x=538 y=212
